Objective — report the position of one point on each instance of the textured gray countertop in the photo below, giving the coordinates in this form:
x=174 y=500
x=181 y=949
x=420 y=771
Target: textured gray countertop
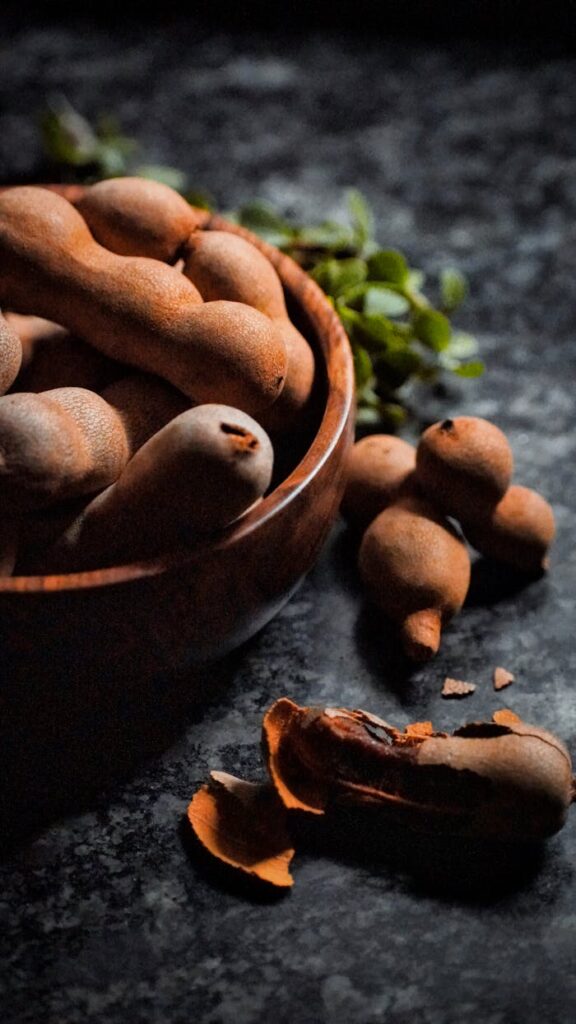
x=468 y=155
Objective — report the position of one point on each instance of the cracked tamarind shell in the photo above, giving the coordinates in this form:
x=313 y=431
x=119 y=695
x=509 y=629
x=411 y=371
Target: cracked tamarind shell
x=464 y=465
x=503 y=779
x=416 y=569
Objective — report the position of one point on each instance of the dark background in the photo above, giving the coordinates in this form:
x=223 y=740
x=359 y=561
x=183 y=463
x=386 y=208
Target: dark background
x=458 y=124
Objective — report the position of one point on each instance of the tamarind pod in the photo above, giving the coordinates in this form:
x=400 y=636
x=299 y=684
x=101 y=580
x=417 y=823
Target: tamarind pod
x=56 y=445
x=377 y=467
x=416 y=569
x=52 y=357
x=9 y=540
x=145 y=403
x=193 y=477
x=10 y=355
x=517 y=531
x=293 y=408
x=226 y=266
x=136 y=310
x=505 y=780
x=134 y=216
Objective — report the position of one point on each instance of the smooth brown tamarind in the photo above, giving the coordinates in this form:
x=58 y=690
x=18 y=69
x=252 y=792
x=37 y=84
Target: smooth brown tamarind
x=191 y=479
x=138 y=217
x=136 y=310
x=10 y=354
x=416 y=569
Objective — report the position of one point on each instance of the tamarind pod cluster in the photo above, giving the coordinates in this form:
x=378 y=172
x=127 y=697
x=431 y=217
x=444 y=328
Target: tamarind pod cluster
x=58 y=444
x=52 y=357
x=517 y=531
x=136 y=310
x=416 y=569
x=10 y=355
x=190 y=479
x=138 y=217
x=503 y=779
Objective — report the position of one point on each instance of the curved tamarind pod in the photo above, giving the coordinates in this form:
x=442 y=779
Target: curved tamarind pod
x=416 y=569
x=134 y=309
x=53 y=358
x=191 y=479
x=145 y=404
x=294 y=405
x=138 y=217
x=503 y=779
x=226 y=266
x=518 y=530
x=57 y=445
x=10 y=354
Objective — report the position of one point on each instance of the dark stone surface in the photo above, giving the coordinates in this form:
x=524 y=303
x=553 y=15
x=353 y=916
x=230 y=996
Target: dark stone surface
x=467 y=153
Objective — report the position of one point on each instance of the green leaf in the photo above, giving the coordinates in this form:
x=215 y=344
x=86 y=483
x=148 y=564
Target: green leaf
x=366 y=416
x=263 y=219
x=433 y=329
x=336 y=277
x=453 y=288
x=68 y=138
x=473 y=369
x=361 y=216
x=379 y=299
x=171 y=176
x=395 y=366
x=374 y=331
x=362 y=367
x=329 y=235
x=388 y=265
x=462 y=345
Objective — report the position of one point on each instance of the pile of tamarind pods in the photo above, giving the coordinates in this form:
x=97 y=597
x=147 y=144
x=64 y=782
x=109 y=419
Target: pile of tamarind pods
x=407 y=502
x=147 y=367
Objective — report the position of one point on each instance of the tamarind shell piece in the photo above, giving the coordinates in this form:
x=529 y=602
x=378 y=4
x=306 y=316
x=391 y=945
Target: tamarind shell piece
x=243 y=824
x=10 y=355
x=517 y=531
x=505 y=779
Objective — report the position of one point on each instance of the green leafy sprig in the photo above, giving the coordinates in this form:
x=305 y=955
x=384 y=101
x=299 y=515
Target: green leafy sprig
x=397 y=334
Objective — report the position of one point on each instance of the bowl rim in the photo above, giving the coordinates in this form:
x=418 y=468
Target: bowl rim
x=339 y=404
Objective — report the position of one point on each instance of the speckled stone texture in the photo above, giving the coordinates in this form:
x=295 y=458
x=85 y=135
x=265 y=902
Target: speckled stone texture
x=467 y=153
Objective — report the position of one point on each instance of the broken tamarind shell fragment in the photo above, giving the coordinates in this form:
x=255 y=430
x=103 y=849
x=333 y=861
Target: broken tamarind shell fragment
x=503 y=779
x=243 y=824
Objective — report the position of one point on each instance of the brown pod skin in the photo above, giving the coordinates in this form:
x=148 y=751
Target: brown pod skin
x=518 y=531
x=133 y=309
x=9 y=540
x=56 y=445
x=509 y=781
x=416 y=569
x=226 y=266
x=464 y=465
x=10 y=355
x=192 y=478
x=53 y=358
x=138 y=217
x=377 y=467
x=294 y=408
x=145 y=404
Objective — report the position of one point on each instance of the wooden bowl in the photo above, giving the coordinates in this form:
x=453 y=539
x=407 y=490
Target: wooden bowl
x=70 y=644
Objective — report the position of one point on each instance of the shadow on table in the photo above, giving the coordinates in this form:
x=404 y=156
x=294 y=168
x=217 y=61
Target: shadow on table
x=61 y=751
